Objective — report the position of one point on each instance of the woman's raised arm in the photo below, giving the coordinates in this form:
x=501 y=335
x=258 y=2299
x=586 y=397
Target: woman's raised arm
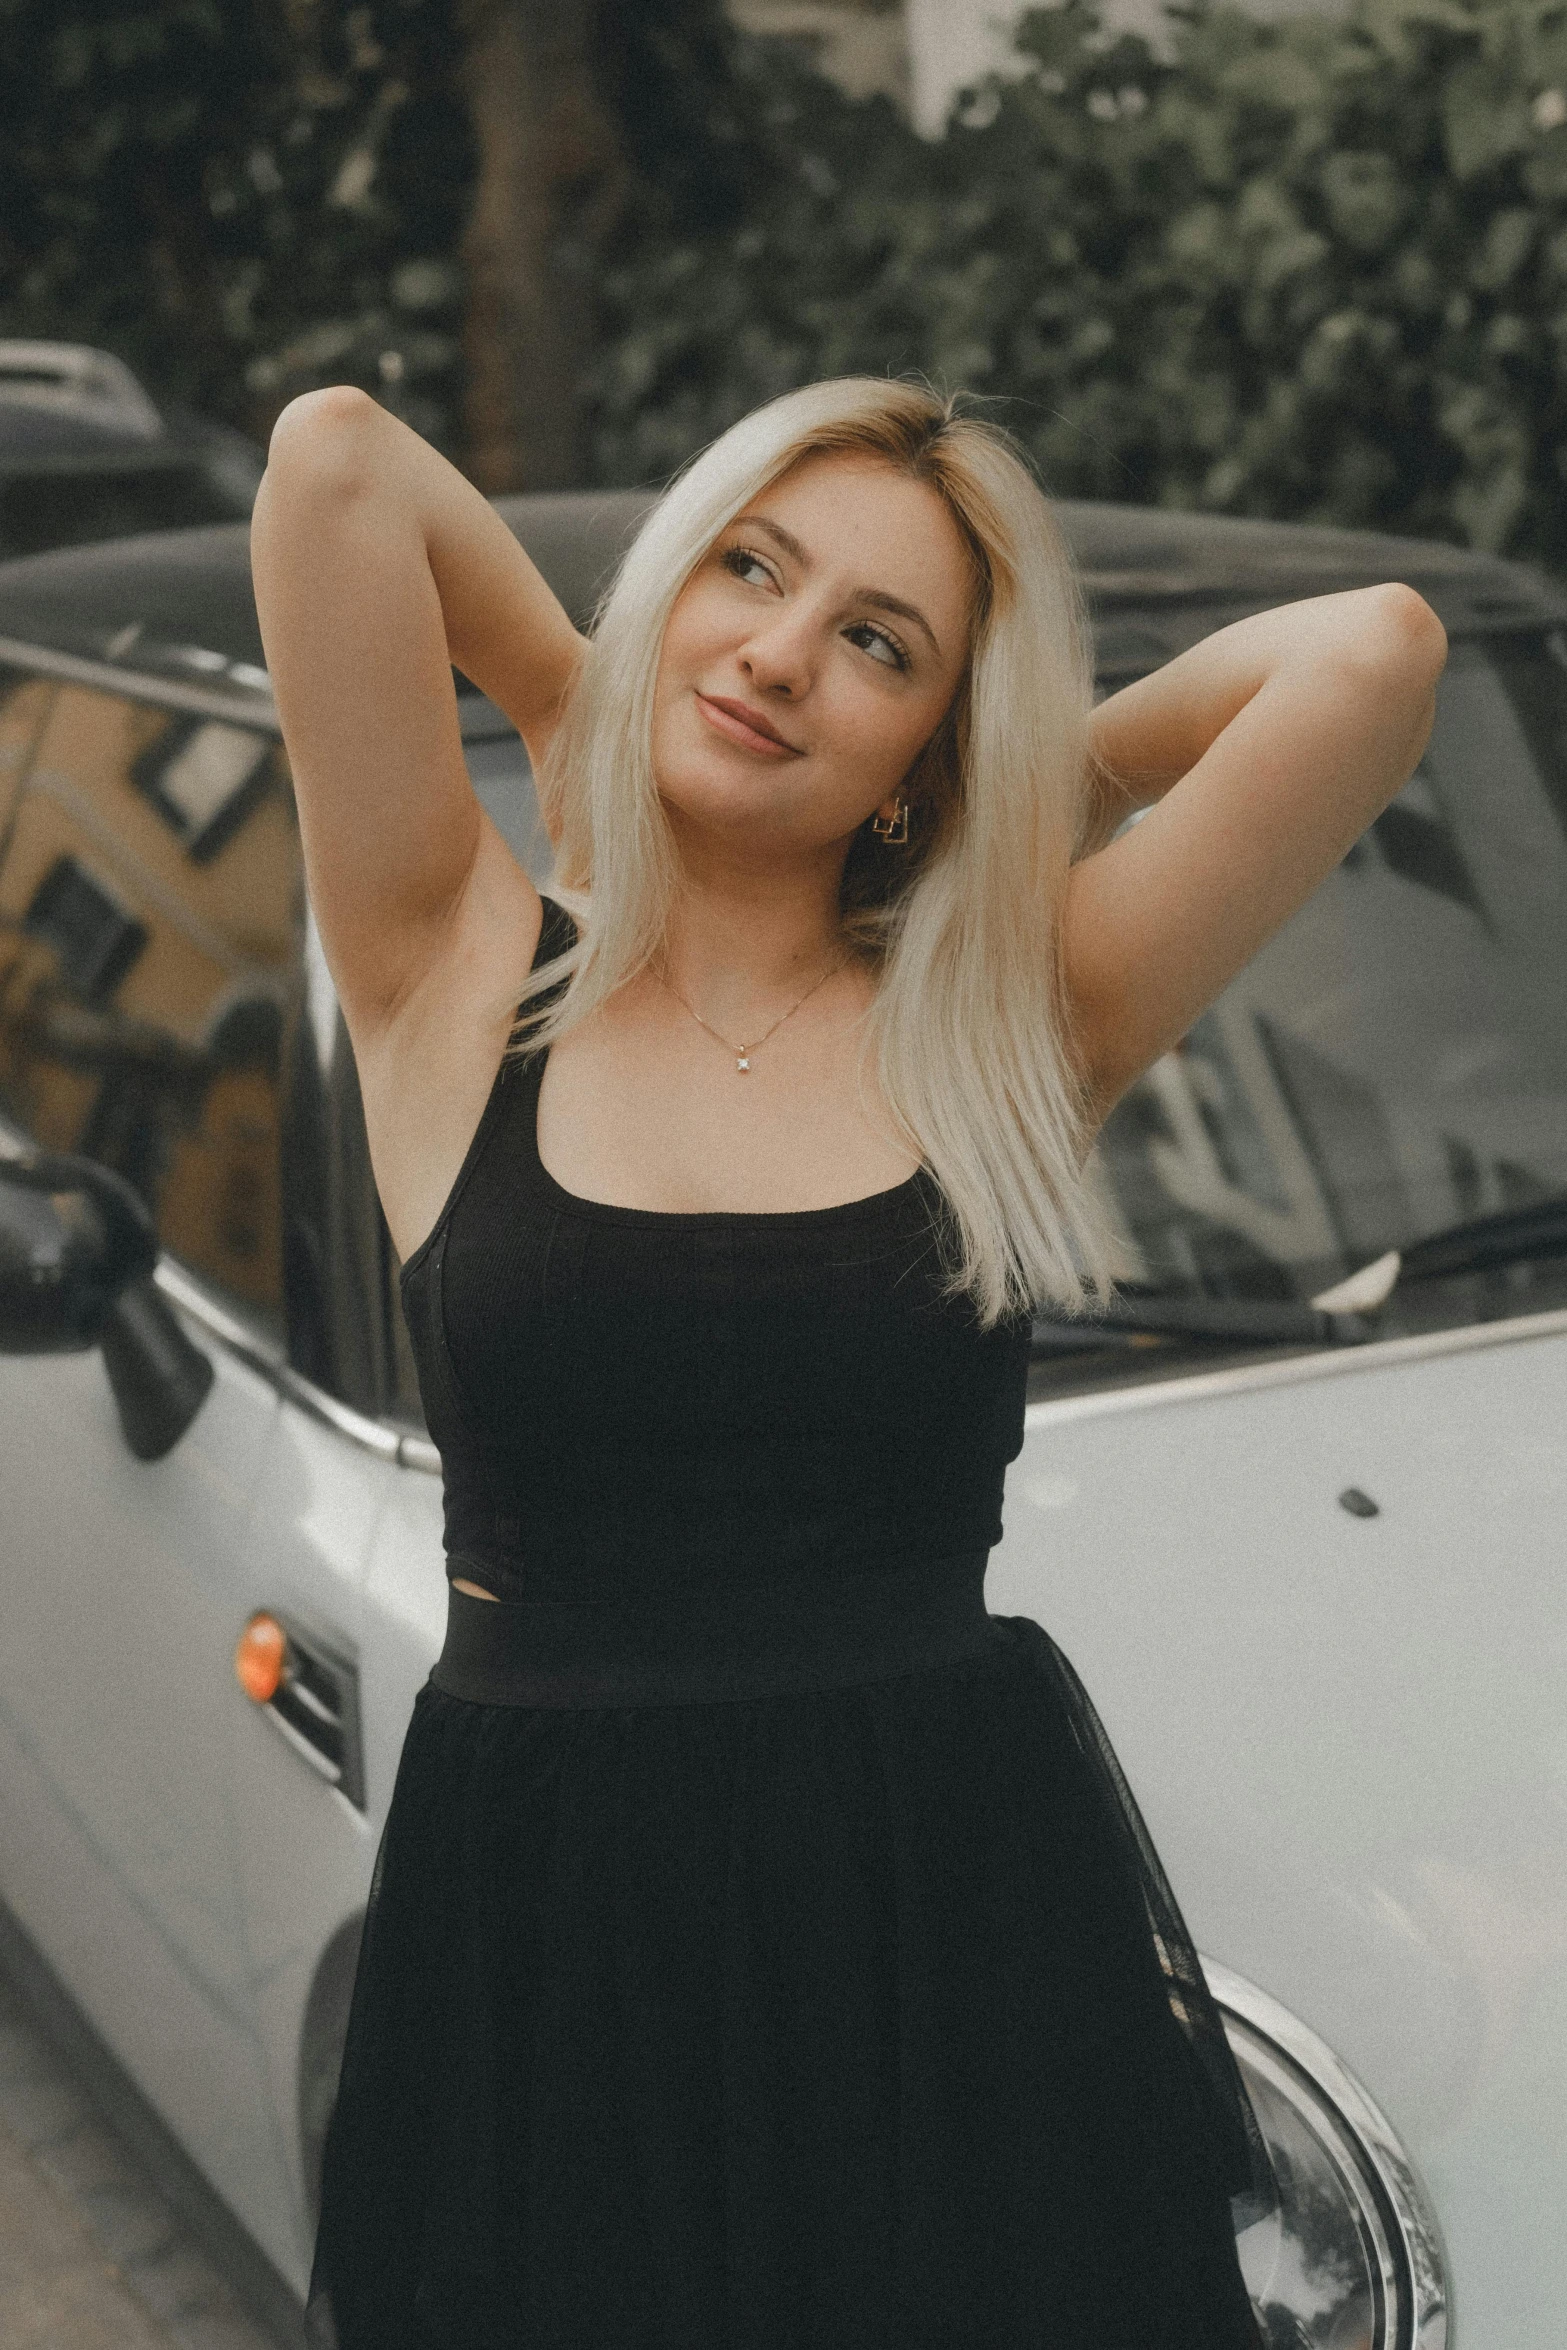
x=376 y=567
x=1288 y=731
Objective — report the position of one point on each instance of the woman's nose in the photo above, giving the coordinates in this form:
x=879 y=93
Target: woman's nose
x=780 y=658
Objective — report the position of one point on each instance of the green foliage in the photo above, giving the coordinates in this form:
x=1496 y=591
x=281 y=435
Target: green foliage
x=241 y=197
x=247 y=198
x=1315 y=268
x=669 y=75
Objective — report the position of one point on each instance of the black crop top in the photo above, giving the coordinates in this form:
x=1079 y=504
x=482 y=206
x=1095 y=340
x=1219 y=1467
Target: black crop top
x=622 y=1396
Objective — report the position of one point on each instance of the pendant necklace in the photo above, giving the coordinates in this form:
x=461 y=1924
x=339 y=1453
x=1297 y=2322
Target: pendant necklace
x=743 y=1052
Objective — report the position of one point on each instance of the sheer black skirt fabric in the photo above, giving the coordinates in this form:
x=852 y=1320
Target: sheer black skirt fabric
x=838 y=2017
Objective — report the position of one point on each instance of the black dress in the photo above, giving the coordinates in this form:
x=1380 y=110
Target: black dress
x=763 y=1952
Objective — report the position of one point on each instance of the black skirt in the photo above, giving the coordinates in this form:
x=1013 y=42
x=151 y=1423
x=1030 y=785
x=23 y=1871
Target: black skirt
x=783 y=1982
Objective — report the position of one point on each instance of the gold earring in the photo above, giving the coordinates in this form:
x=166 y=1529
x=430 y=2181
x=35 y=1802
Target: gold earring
x=893 y=829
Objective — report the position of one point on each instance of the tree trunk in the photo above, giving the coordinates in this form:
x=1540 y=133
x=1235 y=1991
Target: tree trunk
x=551 y=182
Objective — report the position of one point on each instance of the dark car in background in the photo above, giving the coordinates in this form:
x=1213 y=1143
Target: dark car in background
x=1307 y=1555
x=86 y=454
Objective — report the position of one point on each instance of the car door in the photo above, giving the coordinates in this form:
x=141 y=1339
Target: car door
x=149 y=909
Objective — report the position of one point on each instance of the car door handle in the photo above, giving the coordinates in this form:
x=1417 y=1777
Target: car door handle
x=309 y=1691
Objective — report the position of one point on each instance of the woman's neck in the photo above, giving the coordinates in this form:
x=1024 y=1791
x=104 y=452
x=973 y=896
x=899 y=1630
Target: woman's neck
x=736 y=943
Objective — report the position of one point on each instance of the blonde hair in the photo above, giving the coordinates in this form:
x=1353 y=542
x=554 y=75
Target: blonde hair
x=967 y=1030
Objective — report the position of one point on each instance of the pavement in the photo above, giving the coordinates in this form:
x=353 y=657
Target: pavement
x=93 y=2256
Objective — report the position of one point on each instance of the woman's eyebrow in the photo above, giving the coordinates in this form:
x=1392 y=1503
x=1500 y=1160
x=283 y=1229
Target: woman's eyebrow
x=880 y=601
x=878 y=598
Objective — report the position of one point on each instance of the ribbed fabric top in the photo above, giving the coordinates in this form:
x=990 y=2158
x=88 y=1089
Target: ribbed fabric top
x=618 y=1391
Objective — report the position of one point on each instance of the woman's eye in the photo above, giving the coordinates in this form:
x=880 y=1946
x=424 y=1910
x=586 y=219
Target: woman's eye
x=879 y=645
x=747 y=566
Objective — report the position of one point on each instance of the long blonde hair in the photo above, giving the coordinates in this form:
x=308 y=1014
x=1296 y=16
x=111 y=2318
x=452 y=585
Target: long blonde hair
x=967 y=1030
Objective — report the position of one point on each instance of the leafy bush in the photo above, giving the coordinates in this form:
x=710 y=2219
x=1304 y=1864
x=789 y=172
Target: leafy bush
x=246 y=198
x=1314 y=268
x=240 y=197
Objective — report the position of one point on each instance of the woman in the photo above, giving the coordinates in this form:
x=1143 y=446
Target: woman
x=763 y=1949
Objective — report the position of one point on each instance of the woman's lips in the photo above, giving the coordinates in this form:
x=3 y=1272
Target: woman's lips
x=744 y=726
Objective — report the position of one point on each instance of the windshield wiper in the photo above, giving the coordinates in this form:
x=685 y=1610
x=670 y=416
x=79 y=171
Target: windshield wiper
x=1481 y=1244
x=1334 y=1317
x=1132 y=1319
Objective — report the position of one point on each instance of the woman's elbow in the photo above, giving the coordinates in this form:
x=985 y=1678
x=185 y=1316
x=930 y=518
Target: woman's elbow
x=326 y=442
x=1404 y=640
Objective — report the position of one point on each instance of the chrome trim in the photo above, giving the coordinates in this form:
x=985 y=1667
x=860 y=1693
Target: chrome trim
x=324 y=1770
x=186 y=1290
x=1408 y=2208
x=370 y=1435
x=301 y=1745
x=183 y=1289
x=417 y=1452
x=241 y=706
x=1377 y=1354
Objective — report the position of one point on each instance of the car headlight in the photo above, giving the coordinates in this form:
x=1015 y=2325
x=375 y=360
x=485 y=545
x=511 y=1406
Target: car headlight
x=1352 y=2260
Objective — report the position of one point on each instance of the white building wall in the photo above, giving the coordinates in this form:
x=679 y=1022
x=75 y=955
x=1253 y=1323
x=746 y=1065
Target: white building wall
x=922 y=52
x=952 y=42
x=862 y=45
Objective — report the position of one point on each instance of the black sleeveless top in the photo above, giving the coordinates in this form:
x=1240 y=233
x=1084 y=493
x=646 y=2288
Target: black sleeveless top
x=614 y=1390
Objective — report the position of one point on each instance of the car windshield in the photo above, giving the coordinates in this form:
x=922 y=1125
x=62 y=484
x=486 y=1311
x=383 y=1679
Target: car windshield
x=1395 y=1060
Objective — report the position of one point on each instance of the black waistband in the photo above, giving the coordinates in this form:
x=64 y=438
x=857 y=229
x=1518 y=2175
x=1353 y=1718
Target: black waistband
x=790 y=1634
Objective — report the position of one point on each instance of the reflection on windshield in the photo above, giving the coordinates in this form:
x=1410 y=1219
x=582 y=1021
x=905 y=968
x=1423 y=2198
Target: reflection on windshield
x=1396 y=1059
x=149 y=894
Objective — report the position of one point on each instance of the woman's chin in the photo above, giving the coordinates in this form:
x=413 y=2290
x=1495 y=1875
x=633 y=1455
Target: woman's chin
x=718 y=794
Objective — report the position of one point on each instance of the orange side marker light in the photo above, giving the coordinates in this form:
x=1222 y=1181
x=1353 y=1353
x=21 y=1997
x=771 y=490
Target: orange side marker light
x=260 y=1656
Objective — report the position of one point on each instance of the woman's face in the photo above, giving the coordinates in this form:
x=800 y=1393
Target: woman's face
x=810 y=657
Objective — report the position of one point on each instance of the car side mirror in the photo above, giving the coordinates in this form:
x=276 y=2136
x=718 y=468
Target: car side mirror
x=77 y=1255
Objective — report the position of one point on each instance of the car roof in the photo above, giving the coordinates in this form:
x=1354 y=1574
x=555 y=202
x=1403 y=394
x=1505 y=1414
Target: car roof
x=33 y=436
x=35 y=440
x=172 y=613
x=69 y=404
x=70 y=413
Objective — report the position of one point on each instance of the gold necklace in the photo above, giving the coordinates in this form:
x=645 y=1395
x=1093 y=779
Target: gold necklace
x=743 y=1052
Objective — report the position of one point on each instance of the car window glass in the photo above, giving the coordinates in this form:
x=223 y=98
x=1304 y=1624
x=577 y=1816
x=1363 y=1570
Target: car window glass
x=1396 y=1059
x=150 y=912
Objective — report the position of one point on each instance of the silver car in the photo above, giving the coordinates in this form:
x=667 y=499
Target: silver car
x=85 y=453
x=1294 y=1506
